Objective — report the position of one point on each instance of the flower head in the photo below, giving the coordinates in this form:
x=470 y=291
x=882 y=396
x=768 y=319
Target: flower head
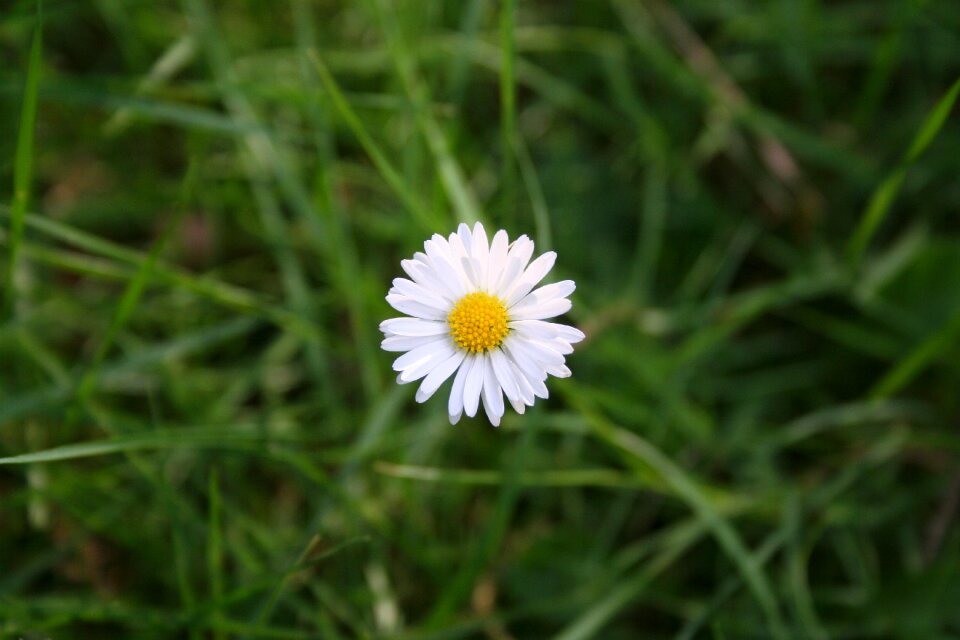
x=472 y=310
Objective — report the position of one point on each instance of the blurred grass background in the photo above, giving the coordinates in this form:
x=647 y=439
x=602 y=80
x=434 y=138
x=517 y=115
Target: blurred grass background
x=199 y=437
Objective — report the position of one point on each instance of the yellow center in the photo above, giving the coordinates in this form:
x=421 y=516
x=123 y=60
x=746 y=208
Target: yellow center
x=478 y=322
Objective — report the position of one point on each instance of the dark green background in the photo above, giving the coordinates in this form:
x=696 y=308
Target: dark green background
x=759 y=202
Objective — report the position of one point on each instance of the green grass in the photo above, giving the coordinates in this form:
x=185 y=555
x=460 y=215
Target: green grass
x=202 y=205
x=23 y=165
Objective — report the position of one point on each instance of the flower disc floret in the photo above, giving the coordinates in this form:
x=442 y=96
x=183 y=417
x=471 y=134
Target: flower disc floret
x=478 y=322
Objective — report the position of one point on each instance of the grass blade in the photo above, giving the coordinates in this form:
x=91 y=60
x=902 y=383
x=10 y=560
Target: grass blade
x=451 y=174
x=589 y=623
x=493 y=478
x=508 y=101
x=232 y=296
x=421 y=214
x=131 y=296
x=538 y=200
x=215 y=556
x=23 y=162
x=316 y=551
x=53 y=396
x=935 y=346
x=644 y=454
x=190 y=438
x=884 y=195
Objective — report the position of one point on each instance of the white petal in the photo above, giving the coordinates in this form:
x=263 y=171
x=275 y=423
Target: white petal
x=453 y=253
x=492 y=394
x=459 y=254
x=471 y=267
x=527 y=395
x=424 y=275
x=503 y=370
x=534 y=388
x=414 y=356
x=455 y=403
x=455 y=417
x=472 y=386
x=480 y=253
x=533 y=373
x=568 y=333
x=550 y=309
x=517 y=258
x=560 y=371
x=407 y=343
x=561 y=346
x=413 y=327
x=440 y=244
x=480 y=249
x=539 y=389
x=438 y=375
x=409 y=266
x=537 y=386
x=524 y=360
x=498 y=259
x=414 y=308
x=547 y=293
x=535 y=329
x=414 y=373
x=533 y=274
x=422 y=360
x=541 y=352
x=419 y=293
x=450 y=275
x=466 y=237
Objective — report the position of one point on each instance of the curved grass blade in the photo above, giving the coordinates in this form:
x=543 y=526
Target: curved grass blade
x=642 y=455
x=589 y=623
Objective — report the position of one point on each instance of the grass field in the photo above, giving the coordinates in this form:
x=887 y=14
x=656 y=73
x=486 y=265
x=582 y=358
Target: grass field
x=203 y=204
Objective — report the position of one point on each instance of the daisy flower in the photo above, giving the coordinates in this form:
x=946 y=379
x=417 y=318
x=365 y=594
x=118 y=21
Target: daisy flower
x=472 y=310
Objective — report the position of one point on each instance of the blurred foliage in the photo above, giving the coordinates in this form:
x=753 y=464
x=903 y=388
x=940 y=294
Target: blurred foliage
x=199 y=436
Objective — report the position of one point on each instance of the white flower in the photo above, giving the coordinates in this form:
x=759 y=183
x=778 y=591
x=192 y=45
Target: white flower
x=474 y=311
